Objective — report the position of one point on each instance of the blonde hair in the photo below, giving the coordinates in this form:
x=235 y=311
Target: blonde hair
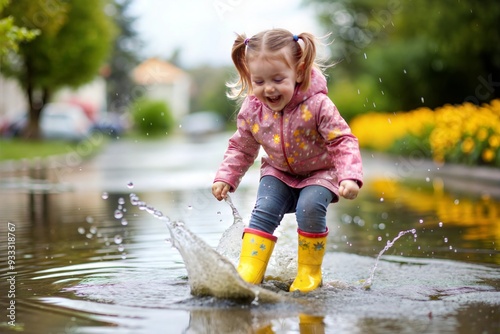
x=272 y=41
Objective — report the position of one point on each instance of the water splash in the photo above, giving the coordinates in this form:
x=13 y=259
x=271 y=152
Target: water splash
x=230 y=242
x=368 y=282
x=210 y=273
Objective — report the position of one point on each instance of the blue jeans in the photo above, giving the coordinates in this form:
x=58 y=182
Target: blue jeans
x=275 y=199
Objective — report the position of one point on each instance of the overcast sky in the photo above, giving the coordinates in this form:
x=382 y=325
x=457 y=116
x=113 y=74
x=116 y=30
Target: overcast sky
x=205 y=29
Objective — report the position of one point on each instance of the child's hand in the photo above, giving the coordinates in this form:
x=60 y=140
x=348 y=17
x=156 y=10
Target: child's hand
x=220 y=190
x=348 y=189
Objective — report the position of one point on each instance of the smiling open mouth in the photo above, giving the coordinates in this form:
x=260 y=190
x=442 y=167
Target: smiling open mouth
x=273 y=99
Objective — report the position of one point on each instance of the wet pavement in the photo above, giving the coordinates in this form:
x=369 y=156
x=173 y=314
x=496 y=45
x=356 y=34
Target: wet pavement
x=95 y=264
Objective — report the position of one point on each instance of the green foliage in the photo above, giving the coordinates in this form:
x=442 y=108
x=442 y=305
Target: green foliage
x=74 y=41
x=210 y=91
x=412 y=145
x=152 y=117
x=16 y=149
x=123 y=59
x=356 y=96
x=425 y=52
x=11 y=35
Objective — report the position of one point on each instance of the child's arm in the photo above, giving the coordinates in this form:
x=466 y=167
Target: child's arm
x=239 y=156
x=342 y=146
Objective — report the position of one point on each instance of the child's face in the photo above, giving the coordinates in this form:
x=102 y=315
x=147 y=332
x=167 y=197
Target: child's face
x=273 y=81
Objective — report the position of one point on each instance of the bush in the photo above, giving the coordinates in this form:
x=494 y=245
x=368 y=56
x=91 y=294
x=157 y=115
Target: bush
x=152 y=117
x=465 y=133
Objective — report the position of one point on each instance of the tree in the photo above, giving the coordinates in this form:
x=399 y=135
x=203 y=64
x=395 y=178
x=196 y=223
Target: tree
x=123 y=59
x=74 y=41
x=409 y=53
x=10 y=34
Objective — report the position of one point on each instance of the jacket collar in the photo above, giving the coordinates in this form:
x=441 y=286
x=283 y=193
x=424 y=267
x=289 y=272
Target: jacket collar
x=317 y=86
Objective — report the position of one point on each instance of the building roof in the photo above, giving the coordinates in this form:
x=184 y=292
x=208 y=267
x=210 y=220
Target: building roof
x=156 y=71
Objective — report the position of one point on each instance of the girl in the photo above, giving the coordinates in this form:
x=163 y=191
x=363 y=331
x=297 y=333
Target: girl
x=312 y=157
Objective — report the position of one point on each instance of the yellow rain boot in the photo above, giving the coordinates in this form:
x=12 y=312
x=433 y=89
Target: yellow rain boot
x=310 y=257
x=256 y=251
x=310 y=324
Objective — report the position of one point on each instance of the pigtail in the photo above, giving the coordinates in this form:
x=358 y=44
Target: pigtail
x=308 y=58
x=239 y=88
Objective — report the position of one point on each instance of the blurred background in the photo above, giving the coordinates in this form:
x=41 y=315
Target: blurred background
x=141 y=68
x=99 y=98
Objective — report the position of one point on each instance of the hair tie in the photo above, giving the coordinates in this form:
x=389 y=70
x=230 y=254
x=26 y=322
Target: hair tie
x=295 y=38
x=246 y=41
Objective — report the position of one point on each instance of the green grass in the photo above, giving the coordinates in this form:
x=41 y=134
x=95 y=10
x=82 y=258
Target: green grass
x=16 y=149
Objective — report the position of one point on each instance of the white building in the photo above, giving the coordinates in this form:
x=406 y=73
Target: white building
x=166 y=82
x=13 y=101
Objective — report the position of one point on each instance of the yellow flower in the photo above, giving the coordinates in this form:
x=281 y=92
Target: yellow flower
x=488 y=155
x=468 y=145
x=494 y=141
x=334 y=133
x=306 y=114
x=255 y=128
x=276 y=139
x=482 y=134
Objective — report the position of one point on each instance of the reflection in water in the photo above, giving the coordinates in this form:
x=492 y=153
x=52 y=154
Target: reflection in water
x=449 y=225
x=85 y=271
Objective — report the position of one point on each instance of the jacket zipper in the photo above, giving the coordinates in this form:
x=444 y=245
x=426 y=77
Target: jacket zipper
x=282 y=125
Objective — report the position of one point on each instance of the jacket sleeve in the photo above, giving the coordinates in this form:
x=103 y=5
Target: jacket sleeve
x=342 y=145
x=240 y=154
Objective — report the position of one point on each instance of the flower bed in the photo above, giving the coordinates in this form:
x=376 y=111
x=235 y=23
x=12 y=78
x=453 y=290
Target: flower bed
x=465 y=133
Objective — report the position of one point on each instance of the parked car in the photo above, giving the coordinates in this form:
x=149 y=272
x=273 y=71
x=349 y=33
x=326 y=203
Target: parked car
x=111 y=124
x=202 y=123
x=15 y=126
x=64 y=121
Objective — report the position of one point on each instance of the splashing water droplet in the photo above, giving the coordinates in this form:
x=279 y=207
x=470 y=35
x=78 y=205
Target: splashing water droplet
x=124 y=222
x=445 y=240
x=134 y=200
x=420 y=221
x=190 y=207
x=118 y=214
x=381 y=199
x=118 y=239
x=440 y=224
x=121 y=201
x=121 y=248
x=369 y=280
x=81 y=230
x=456 y=202
x=130 y=185
x=366 y=57
x=104 y=195
x=89 y=219
x=379 y=238
x=93 y=230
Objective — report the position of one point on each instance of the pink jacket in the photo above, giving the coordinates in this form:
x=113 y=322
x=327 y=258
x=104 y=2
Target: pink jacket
x=308 y=143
